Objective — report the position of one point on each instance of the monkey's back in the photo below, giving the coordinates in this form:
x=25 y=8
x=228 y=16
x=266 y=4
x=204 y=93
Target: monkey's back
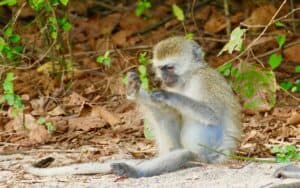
x=220 y=95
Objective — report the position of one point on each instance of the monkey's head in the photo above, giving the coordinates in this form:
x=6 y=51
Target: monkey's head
x=175 y=57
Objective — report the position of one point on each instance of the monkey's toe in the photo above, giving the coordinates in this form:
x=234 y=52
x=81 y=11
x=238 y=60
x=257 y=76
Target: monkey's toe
x=123 y=169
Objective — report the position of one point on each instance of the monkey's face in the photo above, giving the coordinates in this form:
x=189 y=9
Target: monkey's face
x=171 y=69
x=168 y=75
x=174 y=58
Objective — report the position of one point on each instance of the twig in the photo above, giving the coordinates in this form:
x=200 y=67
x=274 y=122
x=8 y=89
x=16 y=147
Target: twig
x=278 y=49
x=227 y=15
x=261 y=34
x=18 y=13
x=289 y=94
x=292 y=6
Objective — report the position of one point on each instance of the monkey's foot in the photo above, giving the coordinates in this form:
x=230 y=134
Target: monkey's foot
x=289 y=171
x=123 y=169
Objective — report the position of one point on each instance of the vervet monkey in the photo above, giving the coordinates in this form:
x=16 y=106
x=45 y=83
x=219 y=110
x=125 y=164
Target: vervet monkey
x=194 y=115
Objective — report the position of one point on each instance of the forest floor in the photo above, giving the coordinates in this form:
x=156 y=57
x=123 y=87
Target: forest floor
x=232 y=175
x=94 y=121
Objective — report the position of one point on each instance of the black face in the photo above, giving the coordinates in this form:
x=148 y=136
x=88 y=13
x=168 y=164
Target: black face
x=169 y=77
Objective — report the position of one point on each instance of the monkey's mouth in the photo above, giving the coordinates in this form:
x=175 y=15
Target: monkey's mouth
x=170 y=80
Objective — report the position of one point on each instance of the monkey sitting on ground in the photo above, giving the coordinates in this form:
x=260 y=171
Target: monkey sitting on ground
x=193 y=114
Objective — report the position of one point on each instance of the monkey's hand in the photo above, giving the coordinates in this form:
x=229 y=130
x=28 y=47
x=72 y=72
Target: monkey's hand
x=195 y=109
x=133 y=86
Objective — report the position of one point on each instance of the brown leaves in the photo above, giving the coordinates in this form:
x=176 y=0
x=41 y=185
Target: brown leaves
x=27 y=125
x=261 y=16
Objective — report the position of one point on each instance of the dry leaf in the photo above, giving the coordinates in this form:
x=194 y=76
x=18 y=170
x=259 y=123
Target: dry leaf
x=38 y=106
x=294 y=119
x=108 y=116
x=57 y=111
x=292 y=53
x=85 y=123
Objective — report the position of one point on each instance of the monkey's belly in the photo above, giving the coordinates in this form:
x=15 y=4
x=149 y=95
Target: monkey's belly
x=202 y=140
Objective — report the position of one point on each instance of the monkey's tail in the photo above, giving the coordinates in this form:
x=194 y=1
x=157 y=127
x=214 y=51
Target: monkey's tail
x=39 y=168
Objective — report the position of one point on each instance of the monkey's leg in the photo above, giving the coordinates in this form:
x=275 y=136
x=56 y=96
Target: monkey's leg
x=83 y=168
x=289 y=171
x=169 y=162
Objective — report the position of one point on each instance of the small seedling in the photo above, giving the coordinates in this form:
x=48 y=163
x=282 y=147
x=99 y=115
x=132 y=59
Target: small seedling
x=9 y=96
x=142 y=6
x=286 y=153
x=104 y=59
x=49 y=125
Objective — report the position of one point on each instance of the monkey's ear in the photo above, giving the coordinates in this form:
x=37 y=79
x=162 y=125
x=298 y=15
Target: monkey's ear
x=197 y=53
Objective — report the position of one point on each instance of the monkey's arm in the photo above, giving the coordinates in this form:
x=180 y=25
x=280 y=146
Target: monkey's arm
x=187 y=106
x=169 y=162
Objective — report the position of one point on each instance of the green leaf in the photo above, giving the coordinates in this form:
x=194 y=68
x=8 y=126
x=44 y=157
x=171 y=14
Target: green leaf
x=15 y=38
x=235 y=42
x=8 y=32
x=67 y=26
x=275 y=60
x=41 y=121
x=142 y=69
x=9 y=98
x=36 y=4
x=178 y=12
x=104 y=59
x=8 y=2
x=281 y=40
x=224 y=67
x=142 y=6
x=9 y=77
x=287 y=85
x=50 y=127
x=64 y=2
x=54 y=35
x=297 y=68
x=279 y=24
x=189 y=36
x=143 y=59
x=18 y=102
x=2 y=44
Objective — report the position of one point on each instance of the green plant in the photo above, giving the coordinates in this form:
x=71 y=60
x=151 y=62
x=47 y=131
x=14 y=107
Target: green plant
x=9 y=96
x=286 y=153
x=104 y=59
x=142 y=69
x=189 y=36
x=236 y=41
x=8 y=2
x=9 y=45
x=142 y=6
x=178 y=12
x=49 y=125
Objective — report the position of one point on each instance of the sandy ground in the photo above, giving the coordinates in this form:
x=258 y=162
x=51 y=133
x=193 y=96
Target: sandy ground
x=250 y=175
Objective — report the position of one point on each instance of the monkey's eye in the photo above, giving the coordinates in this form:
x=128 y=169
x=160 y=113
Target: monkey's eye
x=167 y=68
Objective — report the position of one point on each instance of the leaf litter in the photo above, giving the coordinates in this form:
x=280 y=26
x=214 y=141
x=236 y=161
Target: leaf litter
x=95 y=113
